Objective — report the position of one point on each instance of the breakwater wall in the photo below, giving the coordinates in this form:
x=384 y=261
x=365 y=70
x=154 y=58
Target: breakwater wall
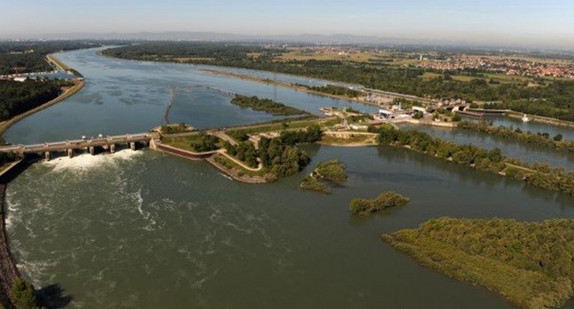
x=8 y=270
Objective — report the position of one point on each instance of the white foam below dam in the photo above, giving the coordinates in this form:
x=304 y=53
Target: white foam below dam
x=88 y=161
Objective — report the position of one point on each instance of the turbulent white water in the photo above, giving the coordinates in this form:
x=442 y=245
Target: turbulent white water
x=86 y=161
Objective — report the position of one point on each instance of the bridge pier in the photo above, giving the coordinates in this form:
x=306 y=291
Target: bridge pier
x=89 y=145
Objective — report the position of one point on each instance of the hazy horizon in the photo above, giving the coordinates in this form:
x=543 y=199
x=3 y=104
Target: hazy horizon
x=488 y=22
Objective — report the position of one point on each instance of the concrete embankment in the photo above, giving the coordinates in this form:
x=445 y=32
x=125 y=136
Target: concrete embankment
x=157 y=145
x=209 y=157
x=8 y=270
x=56 y=63
x=542 y=119
x=236 y=175
x=426 y=123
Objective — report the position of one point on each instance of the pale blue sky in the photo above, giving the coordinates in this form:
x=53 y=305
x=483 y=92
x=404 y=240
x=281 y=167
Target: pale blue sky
x=545 y=22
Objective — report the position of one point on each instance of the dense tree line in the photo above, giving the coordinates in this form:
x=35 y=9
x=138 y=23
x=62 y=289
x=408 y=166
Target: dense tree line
x=19 y=97
x=265 y=105
x=204 y=52
x=541 y=175
x=23 y=63
x=541 y=139
x=529 y=263
x=336 y=90
x=30 y=56
x=311 y=135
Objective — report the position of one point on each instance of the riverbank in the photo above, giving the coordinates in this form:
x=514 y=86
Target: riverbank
x=8 y=269
x=78 y=85
x=518 y=115
x=348 y=139
x=52 y=60
x=228 y=165
x=441 y=124
x=541 y=119
x=285 y=85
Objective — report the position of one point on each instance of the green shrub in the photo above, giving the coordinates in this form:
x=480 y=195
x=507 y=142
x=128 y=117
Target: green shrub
x=364 y=207
x=23 y=294
x=311 y=183
x=333 y=171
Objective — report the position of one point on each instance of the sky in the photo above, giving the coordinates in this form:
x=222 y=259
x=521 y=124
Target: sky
x=542 y=22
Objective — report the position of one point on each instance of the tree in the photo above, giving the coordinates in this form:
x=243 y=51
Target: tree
x=23 y=294
x=206 y=143
x=495 y=155
x=418 y=115
x=558 y=137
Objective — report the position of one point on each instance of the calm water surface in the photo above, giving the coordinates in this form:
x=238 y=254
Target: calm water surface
x=530 y=153
x=146 y=230
x=533 y=126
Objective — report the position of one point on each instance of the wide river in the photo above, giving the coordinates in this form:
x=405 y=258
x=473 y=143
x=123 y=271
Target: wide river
x=147 y=230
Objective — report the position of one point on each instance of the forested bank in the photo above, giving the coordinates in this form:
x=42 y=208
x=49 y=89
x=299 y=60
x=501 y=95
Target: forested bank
x=541 y=139
x=493 y=161
x=19 y=97
x=279 y=156
x=530 y=264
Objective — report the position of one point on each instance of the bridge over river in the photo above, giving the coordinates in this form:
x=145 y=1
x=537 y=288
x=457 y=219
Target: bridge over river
x=84 y=144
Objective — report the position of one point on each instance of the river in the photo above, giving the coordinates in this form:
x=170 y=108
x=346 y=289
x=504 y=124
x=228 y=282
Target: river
x=530 y=153
x=146 y=230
